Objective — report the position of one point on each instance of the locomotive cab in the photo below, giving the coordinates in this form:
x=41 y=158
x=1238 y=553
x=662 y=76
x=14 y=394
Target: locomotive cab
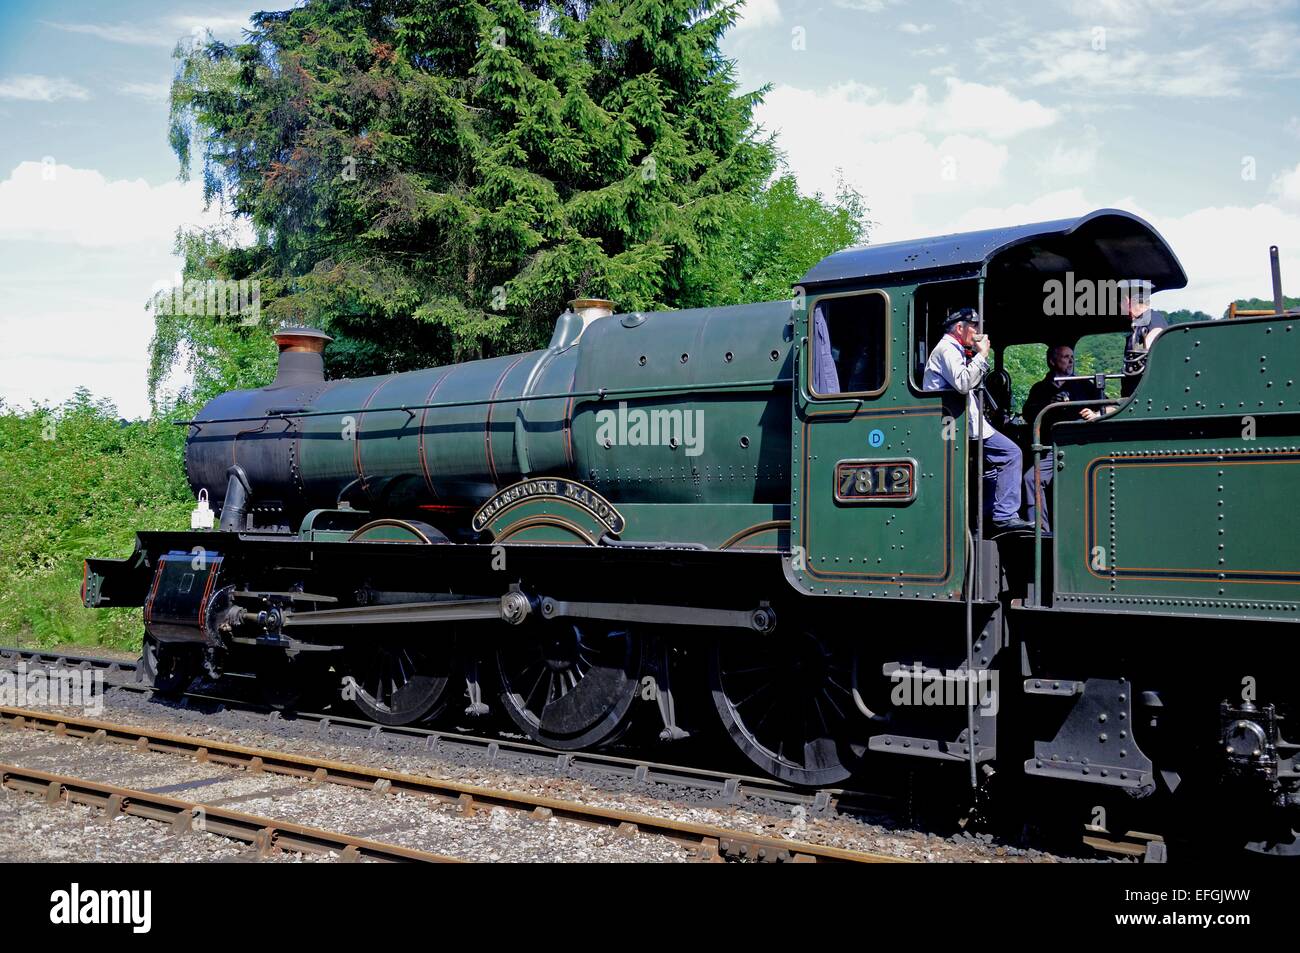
x=885 y=484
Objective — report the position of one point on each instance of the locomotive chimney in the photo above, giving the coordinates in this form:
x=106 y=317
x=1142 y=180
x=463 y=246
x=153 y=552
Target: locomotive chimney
x=300 y=356
x=571 y=324
x=589 y=309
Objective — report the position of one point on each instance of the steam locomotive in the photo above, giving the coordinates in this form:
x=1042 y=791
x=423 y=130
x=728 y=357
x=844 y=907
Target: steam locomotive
x=661 y=520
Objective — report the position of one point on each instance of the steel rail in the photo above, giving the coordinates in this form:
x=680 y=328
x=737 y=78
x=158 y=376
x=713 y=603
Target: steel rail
x=56 y=659
x=264 y=833
x=713 y=841
x=728 y=784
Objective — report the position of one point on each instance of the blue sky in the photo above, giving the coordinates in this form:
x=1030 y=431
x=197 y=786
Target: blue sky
x=945 y=114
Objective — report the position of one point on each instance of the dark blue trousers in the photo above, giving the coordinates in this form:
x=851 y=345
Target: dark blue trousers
x=1002 y=465
x=1046 y=469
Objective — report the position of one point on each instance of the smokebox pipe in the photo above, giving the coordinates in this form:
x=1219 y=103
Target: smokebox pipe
x=234 y=508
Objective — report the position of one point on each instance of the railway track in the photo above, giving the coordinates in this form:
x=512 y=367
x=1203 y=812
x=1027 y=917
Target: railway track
x=264 y=834
x=705 y=842
x=727 y=786
x=654 y=777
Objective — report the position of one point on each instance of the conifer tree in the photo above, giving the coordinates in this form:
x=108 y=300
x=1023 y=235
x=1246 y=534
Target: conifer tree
x=432 y=180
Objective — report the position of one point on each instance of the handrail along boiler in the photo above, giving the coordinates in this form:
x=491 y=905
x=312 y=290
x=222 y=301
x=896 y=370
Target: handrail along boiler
x=667 y=518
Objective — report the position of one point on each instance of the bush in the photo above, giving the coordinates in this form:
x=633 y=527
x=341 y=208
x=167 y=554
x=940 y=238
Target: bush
x=77 y=481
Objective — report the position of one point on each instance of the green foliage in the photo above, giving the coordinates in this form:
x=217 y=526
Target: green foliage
x=77 y=481
x=1026 y=363
x=1093 y=354
x=431 y=180
x=218 y=355
x=774 y=240
x=1263 y=304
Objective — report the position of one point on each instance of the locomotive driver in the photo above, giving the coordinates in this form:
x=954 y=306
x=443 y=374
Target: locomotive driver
x=1045 y=393
x=960 y=362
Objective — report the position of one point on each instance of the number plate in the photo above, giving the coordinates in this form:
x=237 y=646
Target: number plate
x=875 y=481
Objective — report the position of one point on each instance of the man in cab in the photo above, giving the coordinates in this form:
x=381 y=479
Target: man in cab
x=960 y=362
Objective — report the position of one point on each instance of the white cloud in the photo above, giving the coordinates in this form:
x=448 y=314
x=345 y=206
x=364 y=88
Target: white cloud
x=1224 y=250
x=916 y=29
x=1194 y=72
x=868 y=6
x=899 y=152
x=1072 y=159
x=991 y=110
x=129 y=33
x=43 y=89
x=756 y=14
x=1274 y=48
x=79 y=256
x=55 y=344
x=1144 y=47
x=1064 y=203
x=74 y=317
x=1287 y=186
x=228 y=24
x=81 y=207
x=965 y=108
x=154 y=92
x=1119 y=60
x=1144 y=11
x=165 y=32
x=1293 y=126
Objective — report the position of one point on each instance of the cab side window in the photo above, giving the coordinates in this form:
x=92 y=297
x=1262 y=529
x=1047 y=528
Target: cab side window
x=850 y=344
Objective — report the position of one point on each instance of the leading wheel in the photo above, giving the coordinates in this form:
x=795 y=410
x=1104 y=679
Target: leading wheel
x=399 y=681
x=169 y=668
x=570 y=686
x=787 y=702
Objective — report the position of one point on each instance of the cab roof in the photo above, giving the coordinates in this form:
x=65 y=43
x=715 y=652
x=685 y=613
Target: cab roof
x=1107 y=243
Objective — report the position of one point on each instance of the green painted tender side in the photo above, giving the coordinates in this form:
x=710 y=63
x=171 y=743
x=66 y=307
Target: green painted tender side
x=1184 y=501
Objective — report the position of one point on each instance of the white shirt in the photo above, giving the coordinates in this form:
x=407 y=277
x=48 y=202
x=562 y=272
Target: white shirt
x=948 y=369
